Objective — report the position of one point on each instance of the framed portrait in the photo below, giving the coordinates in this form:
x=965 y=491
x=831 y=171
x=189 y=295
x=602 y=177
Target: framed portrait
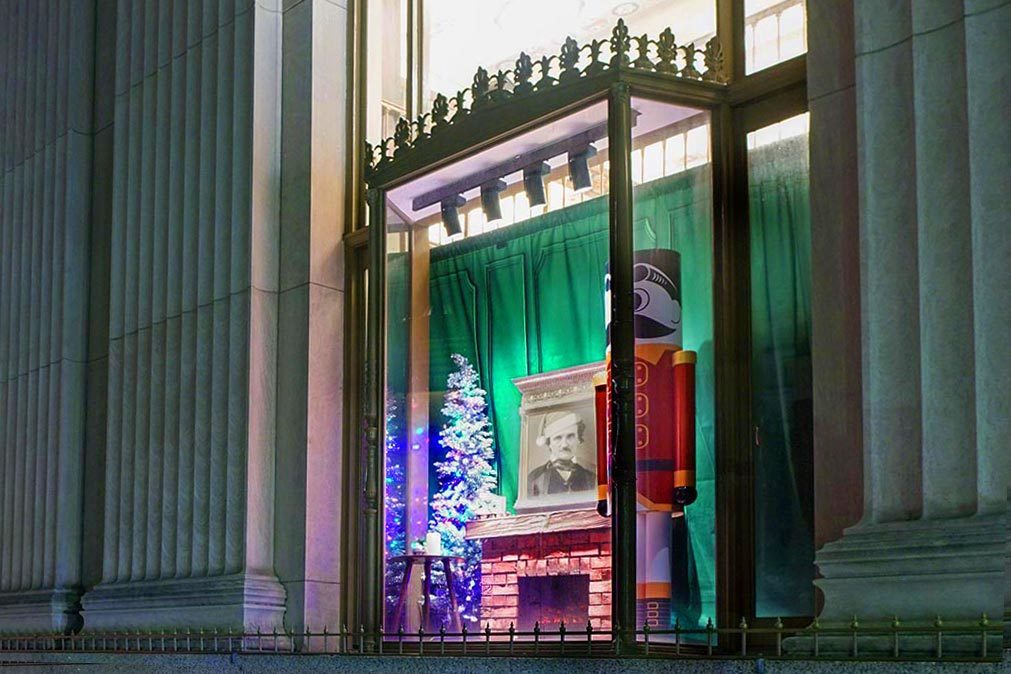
x=558 y=440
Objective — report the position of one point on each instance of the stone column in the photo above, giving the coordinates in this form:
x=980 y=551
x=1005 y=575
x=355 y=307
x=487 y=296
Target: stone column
x=945 y=260
x=988 y=68
x=311 y=299
x=889 y=282
x=191 y=341
x=929 y=543
x=835 y=289
x=47 y=131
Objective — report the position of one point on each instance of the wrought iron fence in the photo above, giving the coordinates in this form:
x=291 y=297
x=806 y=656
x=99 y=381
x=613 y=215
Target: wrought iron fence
x=976 y=641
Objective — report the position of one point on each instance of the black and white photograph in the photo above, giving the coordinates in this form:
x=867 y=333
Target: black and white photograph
x=558 y=440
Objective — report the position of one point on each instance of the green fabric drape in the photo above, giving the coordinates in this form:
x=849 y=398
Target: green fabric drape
x=781 y=377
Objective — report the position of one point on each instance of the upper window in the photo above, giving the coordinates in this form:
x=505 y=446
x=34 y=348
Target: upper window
x=774 y=31
x=457 y=36
x=462 y=34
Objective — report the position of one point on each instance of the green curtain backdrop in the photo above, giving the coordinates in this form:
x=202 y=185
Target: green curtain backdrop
x=781 y=377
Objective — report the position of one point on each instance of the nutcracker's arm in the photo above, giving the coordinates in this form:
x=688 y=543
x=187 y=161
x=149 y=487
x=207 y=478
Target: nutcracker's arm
x=600 y=409
x=684 y=428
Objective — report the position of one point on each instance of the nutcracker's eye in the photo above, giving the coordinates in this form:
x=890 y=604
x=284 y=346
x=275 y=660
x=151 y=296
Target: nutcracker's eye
x=641 y=299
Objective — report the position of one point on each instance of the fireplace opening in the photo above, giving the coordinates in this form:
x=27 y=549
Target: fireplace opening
x=553 y=599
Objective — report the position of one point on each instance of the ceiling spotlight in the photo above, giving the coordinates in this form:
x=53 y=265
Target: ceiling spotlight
x=490 y=200
x=579 y=168
x=451 y=214
x=533 y=183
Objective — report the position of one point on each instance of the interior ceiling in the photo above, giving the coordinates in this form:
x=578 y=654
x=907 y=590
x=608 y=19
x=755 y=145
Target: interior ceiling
x=652 y=115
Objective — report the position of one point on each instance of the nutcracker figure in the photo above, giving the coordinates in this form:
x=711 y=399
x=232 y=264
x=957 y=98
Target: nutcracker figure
x=664 y=432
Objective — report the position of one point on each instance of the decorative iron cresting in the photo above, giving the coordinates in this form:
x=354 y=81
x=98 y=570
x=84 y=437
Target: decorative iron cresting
x=488 y=90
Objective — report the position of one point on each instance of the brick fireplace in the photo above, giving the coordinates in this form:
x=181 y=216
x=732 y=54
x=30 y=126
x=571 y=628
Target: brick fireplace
x=569 y=552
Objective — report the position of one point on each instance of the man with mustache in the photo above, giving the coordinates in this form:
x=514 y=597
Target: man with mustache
x=562 y=433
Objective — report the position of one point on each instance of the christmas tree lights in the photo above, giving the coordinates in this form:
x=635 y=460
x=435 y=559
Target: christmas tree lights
x=395 y=504
x=467 y=482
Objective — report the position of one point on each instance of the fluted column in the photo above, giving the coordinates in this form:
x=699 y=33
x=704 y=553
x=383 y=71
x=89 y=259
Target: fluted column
x=46 y=137
x=189 y=445
x=988 y=68
x=945 y=260
x=888 y=235
x=932 y=539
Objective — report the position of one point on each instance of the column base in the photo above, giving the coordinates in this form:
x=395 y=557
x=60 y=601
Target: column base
x=915 y=570
x=55 y=611
x=247 y=601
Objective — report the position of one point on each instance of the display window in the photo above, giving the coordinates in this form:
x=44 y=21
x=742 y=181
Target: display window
x=497 y=449
x=495 y=327
x=565 y=287
x=781 y=399
x=674 y=368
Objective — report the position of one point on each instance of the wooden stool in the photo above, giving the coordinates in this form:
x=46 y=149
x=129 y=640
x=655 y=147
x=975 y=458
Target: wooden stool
x=426 y=587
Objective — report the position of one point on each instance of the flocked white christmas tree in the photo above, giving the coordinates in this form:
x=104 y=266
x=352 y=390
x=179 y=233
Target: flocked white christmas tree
x=467 y=479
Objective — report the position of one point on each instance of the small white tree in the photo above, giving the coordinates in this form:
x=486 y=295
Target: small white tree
x=467 y=478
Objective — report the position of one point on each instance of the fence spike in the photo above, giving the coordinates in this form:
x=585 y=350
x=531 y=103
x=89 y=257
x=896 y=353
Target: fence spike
x=984 y=622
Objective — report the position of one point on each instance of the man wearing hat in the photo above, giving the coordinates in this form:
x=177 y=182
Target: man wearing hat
x=562 y=433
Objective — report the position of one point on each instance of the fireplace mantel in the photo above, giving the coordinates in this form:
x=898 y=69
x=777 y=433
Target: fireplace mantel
x=536 y=523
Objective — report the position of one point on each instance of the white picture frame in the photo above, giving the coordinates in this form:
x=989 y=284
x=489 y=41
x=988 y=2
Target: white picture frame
x=566 y=390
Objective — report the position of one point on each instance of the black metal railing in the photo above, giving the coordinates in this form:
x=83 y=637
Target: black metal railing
x=959 y=641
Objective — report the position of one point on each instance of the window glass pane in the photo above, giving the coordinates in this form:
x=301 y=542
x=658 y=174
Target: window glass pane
x=675 y=477
x=387 y=72
x=461 y=35
x=774 y=31
x=781 y=368
x=697 y=143
x=493 y=338
x=674 y=154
